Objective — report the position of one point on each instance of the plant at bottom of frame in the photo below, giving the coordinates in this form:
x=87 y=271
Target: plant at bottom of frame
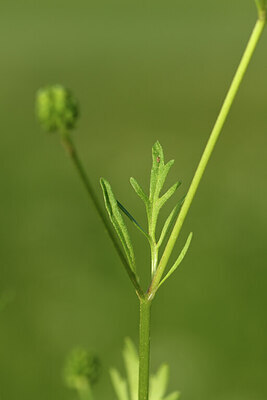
x=127 y=388
x=153 y=204
x=81 y=372
x=138 y=371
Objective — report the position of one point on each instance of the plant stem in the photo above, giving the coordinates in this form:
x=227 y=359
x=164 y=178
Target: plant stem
x=154 y=256
x=144 y=348
x=70 y=148
x=85 y=392
x=254 y=38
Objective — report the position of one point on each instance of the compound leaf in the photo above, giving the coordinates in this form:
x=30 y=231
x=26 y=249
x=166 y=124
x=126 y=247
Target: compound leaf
x=159 y=172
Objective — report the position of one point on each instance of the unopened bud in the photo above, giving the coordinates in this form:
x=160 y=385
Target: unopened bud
x=82 y=367
x=56 y=108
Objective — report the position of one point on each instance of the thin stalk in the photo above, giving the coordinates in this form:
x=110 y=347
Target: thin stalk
x=154 y=256
x=70 y=148
x=254 y=38
x=144 y=348
x=85 y=392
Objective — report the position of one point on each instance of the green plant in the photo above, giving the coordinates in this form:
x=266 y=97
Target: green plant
x=57 y=110
x=127 y=388
x=153 y=202
x=81 y=372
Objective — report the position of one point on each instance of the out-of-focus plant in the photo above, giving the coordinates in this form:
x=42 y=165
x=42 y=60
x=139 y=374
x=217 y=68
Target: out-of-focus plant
x=81 y=372
x=127 y=388
x=57 y=110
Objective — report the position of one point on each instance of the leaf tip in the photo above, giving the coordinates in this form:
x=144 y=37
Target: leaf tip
x=103 y=181
x=178 y=184
x=157 y=145
x=157 y=151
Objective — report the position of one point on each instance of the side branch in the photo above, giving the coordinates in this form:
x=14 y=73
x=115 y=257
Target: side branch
x=254 y=38
x=69 y=146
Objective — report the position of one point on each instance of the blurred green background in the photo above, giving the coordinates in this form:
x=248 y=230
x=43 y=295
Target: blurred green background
x=142 y=70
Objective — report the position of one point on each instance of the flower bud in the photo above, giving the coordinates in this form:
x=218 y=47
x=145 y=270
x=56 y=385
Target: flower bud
x=56 y=108
x=81 y=368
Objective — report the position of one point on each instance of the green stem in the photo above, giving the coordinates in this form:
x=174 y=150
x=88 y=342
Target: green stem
x=70 y=148
x=254 y=38
x=85 y=392
x=154 y=256
x=144 y=348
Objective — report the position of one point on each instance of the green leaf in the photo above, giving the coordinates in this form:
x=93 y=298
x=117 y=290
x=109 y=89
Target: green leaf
x=139 y=191
x=159 y=383
x=131 y=218
x=169 y=220
x=168 y=194
x=164 y=174
x=118 y=222
x=131 y=362
x=123 y=387
x=119 y=384
x=179 y=259
x=158 y=176
x=157 y=166
x=173 y=396
x=159 y=171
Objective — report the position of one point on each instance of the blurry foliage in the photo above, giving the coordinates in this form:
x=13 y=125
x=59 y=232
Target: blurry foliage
x=127 y=388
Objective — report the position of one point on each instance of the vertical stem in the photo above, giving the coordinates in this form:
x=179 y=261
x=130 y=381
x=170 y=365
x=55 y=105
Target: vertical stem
x=85 y=391
x=144 y=348
x=254 y=38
